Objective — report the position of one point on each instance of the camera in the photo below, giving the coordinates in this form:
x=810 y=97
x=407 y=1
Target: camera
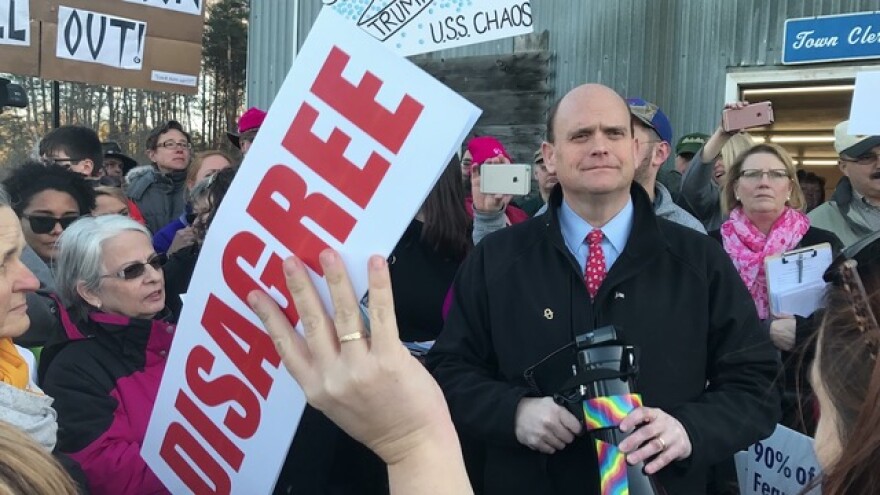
x=11 y=95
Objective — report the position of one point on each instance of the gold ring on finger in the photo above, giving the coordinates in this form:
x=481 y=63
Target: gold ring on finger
x=662 y=443
x=349 y=337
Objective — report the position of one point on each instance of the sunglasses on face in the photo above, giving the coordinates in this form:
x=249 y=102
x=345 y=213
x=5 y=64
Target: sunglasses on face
x=43 y=224
x=135 y=270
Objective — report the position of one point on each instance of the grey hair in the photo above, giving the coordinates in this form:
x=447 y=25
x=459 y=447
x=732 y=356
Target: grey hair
x=81 y=254
x=200 y=190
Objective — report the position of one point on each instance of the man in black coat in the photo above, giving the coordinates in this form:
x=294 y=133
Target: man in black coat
x=707 y=371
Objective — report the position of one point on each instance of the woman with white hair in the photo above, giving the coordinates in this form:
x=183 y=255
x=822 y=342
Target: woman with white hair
x=105 y=375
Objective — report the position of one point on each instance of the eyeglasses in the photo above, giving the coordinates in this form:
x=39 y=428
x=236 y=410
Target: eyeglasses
x=171 y=144
x=43 y=224
x=866 y=159
x=62 y=162
x=758 y=174
x=135 y=270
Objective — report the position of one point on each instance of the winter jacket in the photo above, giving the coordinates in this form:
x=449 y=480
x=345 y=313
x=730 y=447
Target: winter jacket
x=665 y=207
x=836 y=215
x=673 y=293
x=104 y=377
x=701 y=194
x=160 y=197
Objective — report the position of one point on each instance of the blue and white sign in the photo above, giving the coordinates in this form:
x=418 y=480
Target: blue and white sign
x=832 y=38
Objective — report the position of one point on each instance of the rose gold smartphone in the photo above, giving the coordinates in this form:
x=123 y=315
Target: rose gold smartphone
x=754 y=115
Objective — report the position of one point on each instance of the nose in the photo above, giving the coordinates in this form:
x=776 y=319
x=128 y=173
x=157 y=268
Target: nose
x=25 y=280
x=56 y=229
x=152 y=274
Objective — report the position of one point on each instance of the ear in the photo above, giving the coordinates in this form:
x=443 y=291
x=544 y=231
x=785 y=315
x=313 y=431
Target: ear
x=89 y=296
x=88 y=167
x=842 y=166
x=661 y=154
x=548 y=151
x=151 y=155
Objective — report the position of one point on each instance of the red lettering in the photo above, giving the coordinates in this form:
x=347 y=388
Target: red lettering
x=207 y=429
x=179 y=440
x=222 y=322
x=326 y=159
x=248 y=247
x=223 y=389
x=358 y=103
x=284 y=222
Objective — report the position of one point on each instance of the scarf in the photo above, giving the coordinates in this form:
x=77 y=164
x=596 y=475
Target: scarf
x=13 y=368
x=748 y=247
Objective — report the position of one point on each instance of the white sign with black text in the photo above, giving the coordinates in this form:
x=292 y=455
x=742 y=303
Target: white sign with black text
x=783 y=463
x=186 y=6
x=99 y=38
x=411 y=27
x=15 y=26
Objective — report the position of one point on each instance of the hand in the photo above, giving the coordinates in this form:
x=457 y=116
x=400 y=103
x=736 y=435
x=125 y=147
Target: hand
x=544 y=425
x=183 y=238
x=737 y=105
x=356 y=382
x=488 y=203
x=782 y=332
x=660 y=435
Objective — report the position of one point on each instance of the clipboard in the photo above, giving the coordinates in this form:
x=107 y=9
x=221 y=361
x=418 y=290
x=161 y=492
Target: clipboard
x=794 y=279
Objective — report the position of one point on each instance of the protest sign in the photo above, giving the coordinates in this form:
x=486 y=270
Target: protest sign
x=186 y=6
x=93 y=37
x=121 y=43
x=866 y=100
x=349 y=150
x=411 y=27
x=783 y=464
x=15 y=19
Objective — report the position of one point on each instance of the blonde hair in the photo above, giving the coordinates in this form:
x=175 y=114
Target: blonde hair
x=738 y=144
x=728 y=193
x=196 y=164
x=113 y=192
x=26 y=468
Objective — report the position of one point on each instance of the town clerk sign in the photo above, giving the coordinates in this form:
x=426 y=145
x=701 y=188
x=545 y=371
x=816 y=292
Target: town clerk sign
x=832 y=38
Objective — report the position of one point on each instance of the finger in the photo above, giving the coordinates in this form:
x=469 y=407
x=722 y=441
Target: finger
x=552 y=441
x=570 y=422
x=317 y=327
x=291 y=346
x=347 y=314
x=383 y=323
x=661 y=461
x=561 y=433
x=636 y=417
x=544 y=448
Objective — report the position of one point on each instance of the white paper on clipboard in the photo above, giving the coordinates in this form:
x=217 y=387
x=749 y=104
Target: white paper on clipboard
x=794 y=279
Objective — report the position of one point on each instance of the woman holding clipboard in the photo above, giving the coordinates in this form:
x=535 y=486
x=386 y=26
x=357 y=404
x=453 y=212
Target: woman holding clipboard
x=764 y=202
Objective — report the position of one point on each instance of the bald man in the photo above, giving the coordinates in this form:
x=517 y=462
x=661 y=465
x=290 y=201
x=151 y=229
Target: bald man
x=601 y=257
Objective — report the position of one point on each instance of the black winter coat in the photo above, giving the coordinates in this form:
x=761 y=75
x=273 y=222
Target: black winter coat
x=674 y=293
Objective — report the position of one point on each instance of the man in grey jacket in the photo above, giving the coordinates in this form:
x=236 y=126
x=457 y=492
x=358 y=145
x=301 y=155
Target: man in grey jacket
x=854 y=210
x=160 y=190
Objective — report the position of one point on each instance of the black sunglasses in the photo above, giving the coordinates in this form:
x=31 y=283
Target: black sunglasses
x=135 y=270
x=42 y=224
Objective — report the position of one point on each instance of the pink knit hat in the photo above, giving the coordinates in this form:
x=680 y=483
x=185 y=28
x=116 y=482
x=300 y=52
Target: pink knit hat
x=252 y=119
x=484 y=147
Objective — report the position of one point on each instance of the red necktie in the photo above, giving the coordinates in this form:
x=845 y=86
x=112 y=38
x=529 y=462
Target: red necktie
x=595 y=272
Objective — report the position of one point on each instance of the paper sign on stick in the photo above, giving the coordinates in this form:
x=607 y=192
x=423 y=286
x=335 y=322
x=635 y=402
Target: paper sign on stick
x=88 y=36
x=15 y=23
x=866 y=100
x=411 y=27
x=349 y=150
x=185 y=6
x=782 y=463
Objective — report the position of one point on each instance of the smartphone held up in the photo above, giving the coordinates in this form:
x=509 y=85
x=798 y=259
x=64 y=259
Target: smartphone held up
x=506 y=178
x=753 y=115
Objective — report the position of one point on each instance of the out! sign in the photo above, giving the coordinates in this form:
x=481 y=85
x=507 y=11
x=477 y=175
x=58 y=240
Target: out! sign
x=351 y=147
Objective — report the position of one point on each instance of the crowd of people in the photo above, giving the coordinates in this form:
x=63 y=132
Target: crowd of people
x=482 y=290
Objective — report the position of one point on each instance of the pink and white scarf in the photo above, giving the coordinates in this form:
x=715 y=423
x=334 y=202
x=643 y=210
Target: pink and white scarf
x=748 y=247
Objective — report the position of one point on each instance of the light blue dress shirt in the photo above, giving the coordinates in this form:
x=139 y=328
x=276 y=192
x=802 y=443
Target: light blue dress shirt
x=616 y=232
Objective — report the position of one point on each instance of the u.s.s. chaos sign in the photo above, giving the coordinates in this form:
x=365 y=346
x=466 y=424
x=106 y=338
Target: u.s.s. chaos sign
x=350 y=149
x=832 y=38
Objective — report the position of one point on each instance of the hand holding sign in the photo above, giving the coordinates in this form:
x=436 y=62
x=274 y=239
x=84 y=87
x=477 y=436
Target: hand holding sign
x=356 y=381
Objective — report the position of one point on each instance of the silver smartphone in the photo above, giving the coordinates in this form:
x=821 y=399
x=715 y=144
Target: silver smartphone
x=506 y=178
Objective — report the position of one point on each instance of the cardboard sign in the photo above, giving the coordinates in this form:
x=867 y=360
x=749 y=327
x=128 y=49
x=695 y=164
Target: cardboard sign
x=21 y=60
x=15 y=22
x=349 y=150
x=411 y=27
x=866 y=100
x=185 y=6
x=93 y=37
x=782 y=463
